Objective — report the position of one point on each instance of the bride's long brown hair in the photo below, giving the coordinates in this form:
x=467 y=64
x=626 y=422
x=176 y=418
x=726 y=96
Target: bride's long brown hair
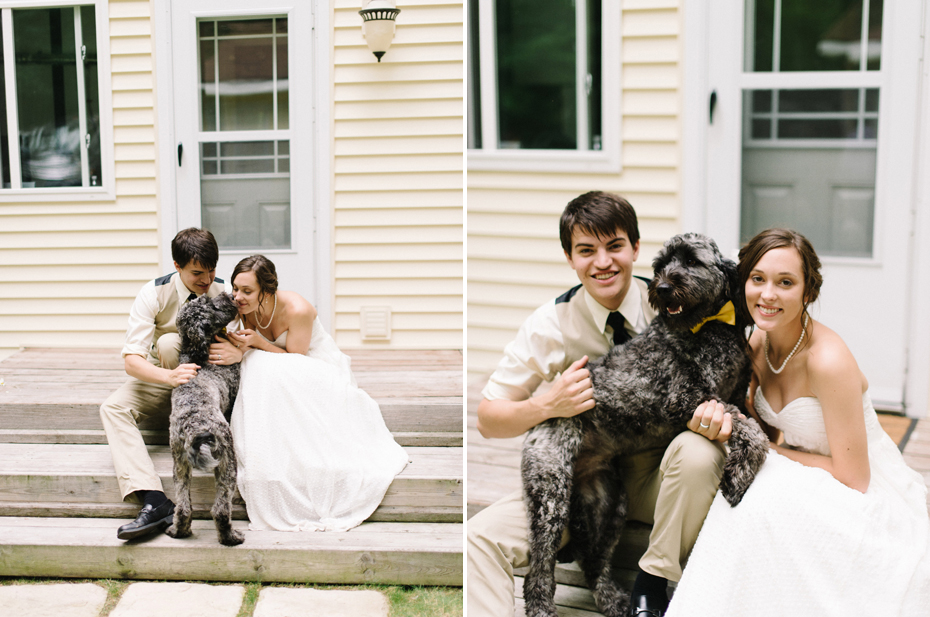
x=776 y=238
x=265 y=274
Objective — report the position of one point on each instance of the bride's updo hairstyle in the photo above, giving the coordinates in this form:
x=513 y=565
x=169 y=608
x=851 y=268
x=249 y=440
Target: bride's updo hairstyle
x=776 y=238
x=265 y=274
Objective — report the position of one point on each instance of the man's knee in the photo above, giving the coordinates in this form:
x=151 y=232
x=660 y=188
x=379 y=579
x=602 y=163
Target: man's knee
x=695 y=458
x=168 y=348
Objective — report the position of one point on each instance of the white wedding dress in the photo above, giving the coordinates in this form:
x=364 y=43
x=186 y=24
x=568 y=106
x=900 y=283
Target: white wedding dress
x=801 y=543
x=313 y=451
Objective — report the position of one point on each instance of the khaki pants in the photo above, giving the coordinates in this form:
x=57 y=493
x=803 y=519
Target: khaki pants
x=133 y=402
x=672 y=489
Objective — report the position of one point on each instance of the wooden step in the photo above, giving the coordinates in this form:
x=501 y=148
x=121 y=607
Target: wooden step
x=51 y=390
x=79 y=480
x=378 y=553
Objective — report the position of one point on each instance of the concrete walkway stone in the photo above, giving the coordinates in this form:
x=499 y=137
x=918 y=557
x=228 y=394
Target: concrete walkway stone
x=179 y=600
x=60 y=600
x=289 y=602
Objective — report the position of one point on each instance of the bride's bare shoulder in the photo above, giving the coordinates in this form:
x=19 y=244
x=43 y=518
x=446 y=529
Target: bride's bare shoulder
x=297 y=305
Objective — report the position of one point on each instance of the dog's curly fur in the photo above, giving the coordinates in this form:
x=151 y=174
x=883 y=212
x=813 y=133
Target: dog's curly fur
x=645 y=393
x=199 y=433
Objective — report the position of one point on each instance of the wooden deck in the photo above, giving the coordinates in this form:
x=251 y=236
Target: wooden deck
x=59 y=499
x=494 y=471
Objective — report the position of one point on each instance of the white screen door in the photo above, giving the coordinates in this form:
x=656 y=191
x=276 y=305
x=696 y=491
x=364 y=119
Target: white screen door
x=244 y=163
x=810 y=129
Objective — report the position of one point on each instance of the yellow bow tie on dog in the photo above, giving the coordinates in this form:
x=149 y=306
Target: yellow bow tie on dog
x=727 y=315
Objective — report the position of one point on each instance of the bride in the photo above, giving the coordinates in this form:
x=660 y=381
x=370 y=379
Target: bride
x=835 y=522
x=313 y=450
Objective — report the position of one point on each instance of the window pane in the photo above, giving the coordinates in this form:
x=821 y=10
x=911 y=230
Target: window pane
x=762 y=29
x=207 y=85
x=238 y=65
x=243 y=27
x=281 y=44
x=817 y=129
x=536 y=74
x=91 y=94
x=815 y=36
x=874 y=54
x=594 y=75
x=47 y=97
x=474 y=76
x=818 y=100
x=821 y=36
x=4 y=134
x=243 y=202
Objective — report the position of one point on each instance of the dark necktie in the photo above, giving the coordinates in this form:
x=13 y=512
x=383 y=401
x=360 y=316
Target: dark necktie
x=615 y=320
x=191 y=297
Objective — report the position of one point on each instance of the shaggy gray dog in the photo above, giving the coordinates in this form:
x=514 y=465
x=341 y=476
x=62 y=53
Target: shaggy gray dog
x=645 y=392
x=200 y=435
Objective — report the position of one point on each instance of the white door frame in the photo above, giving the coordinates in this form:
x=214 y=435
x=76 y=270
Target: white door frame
x=700 y=81
x=321 y=182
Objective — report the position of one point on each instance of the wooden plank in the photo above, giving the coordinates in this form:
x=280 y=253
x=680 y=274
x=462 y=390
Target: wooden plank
x=160 y=437
x=84 y=474
x=384 y=513
x=80 y=411
x=376 y=553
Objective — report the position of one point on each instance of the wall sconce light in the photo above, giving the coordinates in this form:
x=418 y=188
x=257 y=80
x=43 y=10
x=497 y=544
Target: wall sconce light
x=378 y=25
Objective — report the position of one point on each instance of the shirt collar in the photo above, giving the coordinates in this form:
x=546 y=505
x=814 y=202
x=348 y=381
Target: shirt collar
x=629 y=308
x=183 y=291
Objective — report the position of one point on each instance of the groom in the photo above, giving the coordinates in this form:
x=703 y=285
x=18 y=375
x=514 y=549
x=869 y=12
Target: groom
x=150 y=357
x=669 y=487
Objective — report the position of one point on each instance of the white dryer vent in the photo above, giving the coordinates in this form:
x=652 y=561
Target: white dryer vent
x=376 y=323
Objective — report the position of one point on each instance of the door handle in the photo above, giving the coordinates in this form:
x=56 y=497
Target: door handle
x=713 y=105
x=180 y=152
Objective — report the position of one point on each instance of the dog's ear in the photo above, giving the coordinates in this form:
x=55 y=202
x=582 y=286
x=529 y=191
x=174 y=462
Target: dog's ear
x=730 y=272
x=190 y=322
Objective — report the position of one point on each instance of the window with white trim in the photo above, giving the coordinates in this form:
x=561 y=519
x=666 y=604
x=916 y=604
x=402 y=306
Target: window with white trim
x=543 y=85
x=50 y=98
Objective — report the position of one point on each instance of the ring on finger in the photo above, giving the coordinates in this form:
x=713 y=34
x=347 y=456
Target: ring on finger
x=705 y=425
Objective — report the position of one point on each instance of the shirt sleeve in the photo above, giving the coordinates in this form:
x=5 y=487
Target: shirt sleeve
x=141 y=329
x=537 y=354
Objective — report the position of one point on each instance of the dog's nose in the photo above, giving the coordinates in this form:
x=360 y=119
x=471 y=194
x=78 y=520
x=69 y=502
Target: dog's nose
x=664 y=289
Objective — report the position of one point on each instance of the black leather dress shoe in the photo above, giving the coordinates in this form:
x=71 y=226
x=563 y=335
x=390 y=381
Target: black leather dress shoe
x=646 y=606
x=150 y=520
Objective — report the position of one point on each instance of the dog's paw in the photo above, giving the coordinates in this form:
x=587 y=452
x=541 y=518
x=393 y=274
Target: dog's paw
x=232 y=538
x=175 y=532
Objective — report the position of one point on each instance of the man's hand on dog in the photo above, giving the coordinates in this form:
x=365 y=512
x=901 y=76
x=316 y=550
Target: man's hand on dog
x=712 y=420
x=224 y=352
x=182 y=374
x=572 y=393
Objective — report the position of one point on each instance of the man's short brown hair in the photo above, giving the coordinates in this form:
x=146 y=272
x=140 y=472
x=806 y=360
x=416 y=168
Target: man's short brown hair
x=193 y=244
x=600 y=214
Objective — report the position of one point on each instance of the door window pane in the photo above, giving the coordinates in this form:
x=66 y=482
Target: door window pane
x=816 y=171
x=243 y=74
x=794 y=35
x=245 y=194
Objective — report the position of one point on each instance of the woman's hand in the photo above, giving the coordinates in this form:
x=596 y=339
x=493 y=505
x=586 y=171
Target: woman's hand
x=224 y=353
x=712 y=420
x=244 y=339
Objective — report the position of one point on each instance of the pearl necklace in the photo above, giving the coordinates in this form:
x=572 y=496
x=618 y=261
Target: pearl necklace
x=790 y=355
x=265 y=327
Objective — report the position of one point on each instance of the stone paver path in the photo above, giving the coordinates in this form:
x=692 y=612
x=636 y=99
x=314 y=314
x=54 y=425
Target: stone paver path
x=179 y=600
x=60 y=600
x=280 y=602
x=187 y=600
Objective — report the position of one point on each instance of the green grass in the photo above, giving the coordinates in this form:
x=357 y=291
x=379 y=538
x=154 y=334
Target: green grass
x=405 y=601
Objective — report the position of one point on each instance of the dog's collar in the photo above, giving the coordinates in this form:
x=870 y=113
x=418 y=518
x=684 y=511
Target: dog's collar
x=727 y=315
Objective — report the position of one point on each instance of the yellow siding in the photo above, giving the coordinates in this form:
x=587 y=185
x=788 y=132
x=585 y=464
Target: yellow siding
x=397 y=176
x=515 y=261
x=69 y=271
